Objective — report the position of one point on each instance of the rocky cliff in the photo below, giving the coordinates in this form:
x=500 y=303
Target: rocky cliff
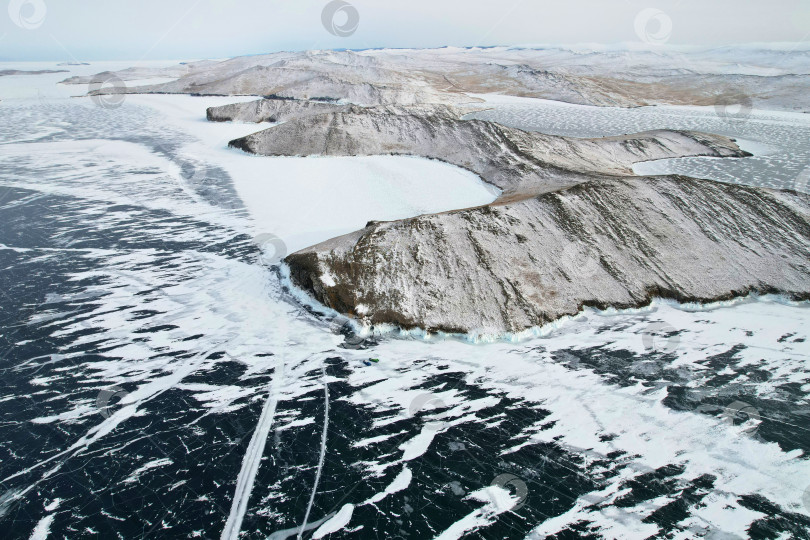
x=270 y=110
x=572 y=227
x=518 y=162
x=610 y=242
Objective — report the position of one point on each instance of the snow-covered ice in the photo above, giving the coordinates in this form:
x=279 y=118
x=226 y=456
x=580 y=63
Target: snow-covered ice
x=159 y=378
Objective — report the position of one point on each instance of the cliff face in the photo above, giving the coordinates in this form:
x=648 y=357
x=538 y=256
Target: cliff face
x=518 y=162
x=572 y=227
x=611 y=242
x=270 y=110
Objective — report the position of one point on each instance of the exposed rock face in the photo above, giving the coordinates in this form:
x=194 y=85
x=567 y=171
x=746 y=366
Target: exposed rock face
x=284 y=109
x=518 y=162
x=270 y=110
x=612 y=242
x=571 y=228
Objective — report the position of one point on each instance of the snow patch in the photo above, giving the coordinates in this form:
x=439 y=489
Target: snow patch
x=339 y=521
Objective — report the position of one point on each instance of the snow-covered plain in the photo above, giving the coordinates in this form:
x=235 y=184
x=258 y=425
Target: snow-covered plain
x=159 y=379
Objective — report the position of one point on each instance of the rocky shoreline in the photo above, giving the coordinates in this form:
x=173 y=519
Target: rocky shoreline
x=608 y=243
x=520 y=163
x=270 y=110
x=573 y=227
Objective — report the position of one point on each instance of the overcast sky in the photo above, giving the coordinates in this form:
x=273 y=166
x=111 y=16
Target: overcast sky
x=190 y=29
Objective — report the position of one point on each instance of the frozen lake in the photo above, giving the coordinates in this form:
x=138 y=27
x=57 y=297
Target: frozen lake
x=159 y=380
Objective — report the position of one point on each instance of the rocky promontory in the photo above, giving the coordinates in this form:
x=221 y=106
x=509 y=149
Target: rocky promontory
x=520 y=163
x=573 y=227
x=610 y=242
x=271 y=110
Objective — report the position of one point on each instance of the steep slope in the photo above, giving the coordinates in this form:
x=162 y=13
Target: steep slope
x=518 y=162
x=572 y=227
x=270 y=110
x=277 y=109
x=612 y=242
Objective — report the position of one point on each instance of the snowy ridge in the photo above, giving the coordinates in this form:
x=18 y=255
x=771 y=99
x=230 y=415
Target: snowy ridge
x=614 y=76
